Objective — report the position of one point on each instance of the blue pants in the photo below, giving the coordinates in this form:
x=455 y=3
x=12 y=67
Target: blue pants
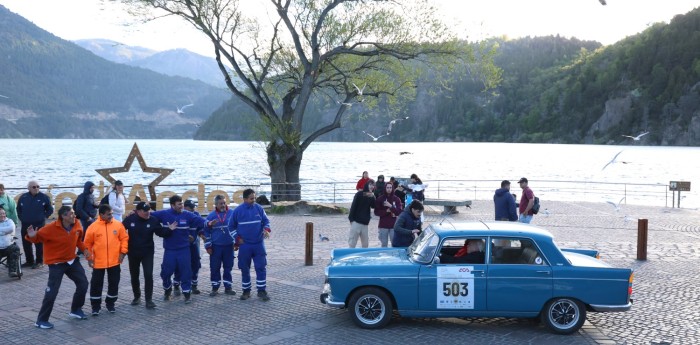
x=76 y=273
x=177 y=259
x=221 y=255
x=196 y=264
x=256 y=253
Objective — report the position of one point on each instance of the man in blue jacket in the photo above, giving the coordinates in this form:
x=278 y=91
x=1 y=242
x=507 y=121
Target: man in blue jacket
x=219 y=241
x=195 y=258
x=504 y=203
x=32 y=209
x=252 y=227
x=177 y=246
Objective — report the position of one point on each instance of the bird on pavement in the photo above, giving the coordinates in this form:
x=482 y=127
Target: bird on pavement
x=323 y=238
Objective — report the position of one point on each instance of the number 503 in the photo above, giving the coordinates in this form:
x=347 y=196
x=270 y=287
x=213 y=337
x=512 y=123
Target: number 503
x=455 y=289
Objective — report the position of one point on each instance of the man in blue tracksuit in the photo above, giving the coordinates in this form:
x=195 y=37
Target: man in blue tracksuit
x=252 y=227
x=195 y=258
x=219 y=239
x=177 y=246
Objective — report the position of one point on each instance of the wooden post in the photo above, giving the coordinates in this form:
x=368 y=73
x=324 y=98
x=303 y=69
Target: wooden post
x=309 y=255
x=642 y=236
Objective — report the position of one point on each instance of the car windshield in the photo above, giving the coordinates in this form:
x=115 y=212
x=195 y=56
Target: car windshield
x=423 y=248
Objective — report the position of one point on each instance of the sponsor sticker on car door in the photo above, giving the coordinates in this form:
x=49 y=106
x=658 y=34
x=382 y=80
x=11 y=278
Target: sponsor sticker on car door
x=455 y=287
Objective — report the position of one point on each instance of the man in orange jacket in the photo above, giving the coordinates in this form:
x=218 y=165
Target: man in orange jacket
x=60 y=238
x=107 y=241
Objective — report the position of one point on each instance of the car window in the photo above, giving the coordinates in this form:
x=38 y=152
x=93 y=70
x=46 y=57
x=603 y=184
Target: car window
x=463 y=250
x=519 y=251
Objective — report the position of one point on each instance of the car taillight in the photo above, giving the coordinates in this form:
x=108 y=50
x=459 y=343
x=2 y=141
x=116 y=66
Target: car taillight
x=629 y=289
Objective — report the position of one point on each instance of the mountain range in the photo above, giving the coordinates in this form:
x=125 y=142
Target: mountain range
x=553 y=90
x=53 y=88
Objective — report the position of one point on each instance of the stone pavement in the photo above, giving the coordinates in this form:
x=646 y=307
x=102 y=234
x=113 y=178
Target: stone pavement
x=665 y=292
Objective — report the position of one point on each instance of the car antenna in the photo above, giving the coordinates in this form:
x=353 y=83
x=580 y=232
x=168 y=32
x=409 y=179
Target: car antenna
x=444 y=219
x=482 y=222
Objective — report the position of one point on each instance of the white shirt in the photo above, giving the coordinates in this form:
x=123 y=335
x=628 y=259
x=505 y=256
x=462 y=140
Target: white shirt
x=7 y=231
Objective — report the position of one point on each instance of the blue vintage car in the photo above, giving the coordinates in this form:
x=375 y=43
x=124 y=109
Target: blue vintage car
x=475 y=269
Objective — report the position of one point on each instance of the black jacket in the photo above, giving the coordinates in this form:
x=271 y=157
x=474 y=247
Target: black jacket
x=360 y=210
x=141 y=233
x=504 y=205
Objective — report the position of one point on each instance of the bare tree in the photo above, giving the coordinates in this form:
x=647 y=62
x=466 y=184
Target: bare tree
x=353 y=51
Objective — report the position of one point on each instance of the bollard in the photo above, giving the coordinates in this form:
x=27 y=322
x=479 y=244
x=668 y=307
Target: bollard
x=642 y=236
x=309 y=255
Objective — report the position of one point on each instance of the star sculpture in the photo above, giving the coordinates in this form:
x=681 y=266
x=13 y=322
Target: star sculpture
x=136 y=154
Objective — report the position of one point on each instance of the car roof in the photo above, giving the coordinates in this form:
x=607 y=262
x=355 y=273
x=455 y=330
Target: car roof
x=512 y=229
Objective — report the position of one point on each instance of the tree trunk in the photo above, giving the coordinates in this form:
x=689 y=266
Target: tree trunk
x=284 y=161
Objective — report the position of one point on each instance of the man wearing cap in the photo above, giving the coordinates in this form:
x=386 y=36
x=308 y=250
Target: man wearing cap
x=141 y=226
x=195 y=258
x=527 y=199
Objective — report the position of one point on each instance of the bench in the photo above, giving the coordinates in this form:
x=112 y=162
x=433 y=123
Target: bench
x=449 y=206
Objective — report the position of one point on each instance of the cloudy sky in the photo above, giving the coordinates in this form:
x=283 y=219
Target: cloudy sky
x=473 y=19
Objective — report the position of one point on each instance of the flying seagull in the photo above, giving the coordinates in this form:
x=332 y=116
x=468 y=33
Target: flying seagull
x=392 y=122
x=373 y=137
x=614 y=160
x=637 y=137
x=616 y=206
x=323 y=238
x=359 y=91
x=345 y=104
x=182 y=110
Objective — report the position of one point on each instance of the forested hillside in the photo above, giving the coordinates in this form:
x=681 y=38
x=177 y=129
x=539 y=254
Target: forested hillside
x=554 y=90
x=52 y=88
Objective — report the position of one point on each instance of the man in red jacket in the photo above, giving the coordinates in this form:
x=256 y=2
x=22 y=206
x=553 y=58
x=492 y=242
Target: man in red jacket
x=60 y=238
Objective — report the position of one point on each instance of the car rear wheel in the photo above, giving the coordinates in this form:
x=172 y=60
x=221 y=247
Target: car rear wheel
x=371 y=308
x=563 y=315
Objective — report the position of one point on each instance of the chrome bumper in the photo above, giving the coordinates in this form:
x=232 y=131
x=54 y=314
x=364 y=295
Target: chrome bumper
x=326 y=299
x=611 y=308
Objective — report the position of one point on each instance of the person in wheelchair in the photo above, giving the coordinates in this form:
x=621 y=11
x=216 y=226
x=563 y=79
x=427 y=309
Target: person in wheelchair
x=8 y=248
x=472 y=252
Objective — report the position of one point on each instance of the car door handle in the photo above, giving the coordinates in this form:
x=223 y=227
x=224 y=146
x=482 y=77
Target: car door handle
x=545 y=272
x=478 y=271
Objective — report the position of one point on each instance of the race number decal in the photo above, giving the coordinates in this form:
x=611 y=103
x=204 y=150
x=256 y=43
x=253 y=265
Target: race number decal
x=455 y=287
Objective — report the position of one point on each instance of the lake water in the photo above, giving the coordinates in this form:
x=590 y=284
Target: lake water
x=330 y=170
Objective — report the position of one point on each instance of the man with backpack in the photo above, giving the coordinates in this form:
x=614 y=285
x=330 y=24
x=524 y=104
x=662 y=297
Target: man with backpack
x=527 y=202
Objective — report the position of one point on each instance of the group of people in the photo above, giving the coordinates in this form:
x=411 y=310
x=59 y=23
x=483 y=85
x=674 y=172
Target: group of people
x=505 y=205
x=399 y=208
x=105 y=240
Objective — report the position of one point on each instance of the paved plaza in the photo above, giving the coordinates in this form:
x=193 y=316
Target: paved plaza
x=665 y=294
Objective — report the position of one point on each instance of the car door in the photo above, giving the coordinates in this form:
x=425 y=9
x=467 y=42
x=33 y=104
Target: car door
x=520 y=278
x=454 y=288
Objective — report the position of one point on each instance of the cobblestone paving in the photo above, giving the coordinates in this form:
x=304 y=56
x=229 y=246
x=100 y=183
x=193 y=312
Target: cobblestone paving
x=665 y=292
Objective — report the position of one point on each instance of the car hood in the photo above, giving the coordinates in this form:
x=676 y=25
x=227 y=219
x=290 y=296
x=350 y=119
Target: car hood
x=582 y=260
x=376 y=257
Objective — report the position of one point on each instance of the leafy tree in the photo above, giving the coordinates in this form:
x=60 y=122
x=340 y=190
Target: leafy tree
x=350 y=51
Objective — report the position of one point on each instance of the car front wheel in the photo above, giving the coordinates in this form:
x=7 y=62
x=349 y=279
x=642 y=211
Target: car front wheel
x=370 y=308
x=564 y=315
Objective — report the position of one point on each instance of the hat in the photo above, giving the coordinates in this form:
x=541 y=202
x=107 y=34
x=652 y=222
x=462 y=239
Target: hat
x=522 y=179
x=143 y=206
x=189 y=203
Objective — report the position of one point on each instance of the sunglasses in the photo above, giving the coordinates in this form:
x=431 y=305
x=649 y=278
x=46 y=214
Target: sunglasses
x=35 y=187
